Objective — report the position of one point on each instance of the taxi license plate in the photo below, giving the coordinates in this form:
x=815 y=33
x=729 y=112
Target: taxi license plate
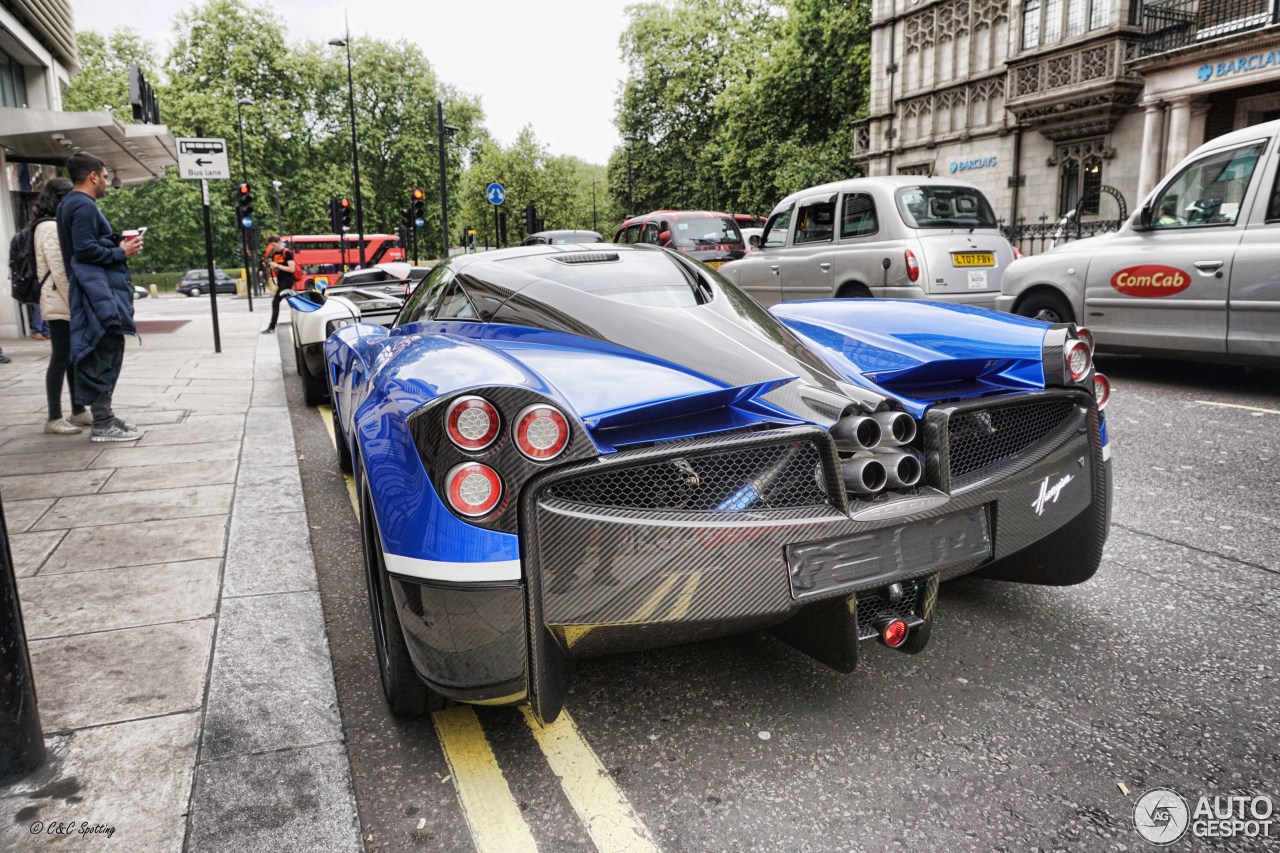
x=973 y=259
x=715 y=265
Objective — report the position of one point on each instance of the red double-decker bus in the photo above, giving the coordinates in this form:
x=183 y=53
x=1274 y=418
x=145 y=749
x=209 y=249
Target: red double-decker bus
x=322 y=254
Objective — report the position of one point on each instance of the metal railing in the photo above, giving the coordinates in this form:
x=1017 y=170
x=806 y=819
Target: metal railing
x=1171 y=24
x=1036 y=237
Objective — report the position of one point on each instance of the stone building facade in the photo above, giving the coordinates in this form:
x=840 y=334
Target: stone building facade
x=1043 y=102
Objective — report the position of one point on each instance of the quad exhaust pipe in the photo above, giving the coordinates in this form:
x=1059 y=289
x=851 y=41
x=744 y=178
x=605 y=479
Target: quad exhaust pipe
x=868 y=472
x=867 y=432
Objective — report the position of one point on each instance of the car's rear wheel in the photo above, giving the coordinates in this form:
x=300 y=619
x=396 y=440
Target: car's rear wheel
x=313 y=389
x=1046 y=305
x=853 y=290
x=405 y=692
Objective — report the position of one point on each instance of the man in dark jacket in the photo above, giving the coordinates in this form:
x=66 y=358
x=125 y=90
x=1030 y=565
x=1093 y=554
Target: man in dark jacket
x=101 y=294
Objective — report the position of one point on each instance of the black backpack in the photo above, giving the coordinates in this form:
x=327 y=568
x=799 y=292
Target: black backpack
x=22 y=265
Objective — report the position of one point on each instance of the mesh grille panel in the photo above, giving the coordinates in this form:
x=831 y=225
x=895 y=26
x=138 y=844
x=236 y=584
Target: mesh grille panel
x=872 y=607
x=982 y=438
x=775 y=476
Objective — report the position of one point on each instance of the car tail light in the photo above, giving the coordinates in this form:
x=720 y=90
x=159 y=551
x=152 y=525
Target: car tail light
x=473 y=489
x=541 y=432
x=913 y=266
x=1087 y=336
x=472 y=423
x=894 y=633
x=1101 y=390
x=1077 y=358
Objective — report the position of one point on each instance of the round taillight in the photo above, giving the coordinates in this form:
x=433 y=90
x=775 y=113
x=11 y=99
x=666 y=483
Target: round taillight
x=894 y=633
x=541 y=432
x=1101 y=390
x=1086 y=336
x=472 y=423
x=1078 y=362
x=473 y=489
x=913 y=266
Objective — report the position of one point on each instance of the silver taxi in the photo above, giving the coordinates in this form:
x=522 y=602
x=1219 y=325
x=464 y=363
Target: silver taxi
x=904 y=237
x=1195 y=271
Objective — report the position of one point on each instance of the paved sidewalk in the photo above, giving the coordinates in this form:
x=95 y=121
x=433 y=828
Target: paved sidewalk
x=171 y=606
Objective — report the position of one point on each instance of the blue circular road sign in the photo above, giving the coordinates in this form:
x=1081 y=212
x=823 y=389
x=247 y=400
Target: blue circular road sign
x=496 y=193
x=247 y=221
x=420 y=222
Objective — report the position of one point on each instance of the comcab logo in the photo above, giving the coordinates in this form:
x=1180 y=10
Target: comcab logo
x=1150 y=281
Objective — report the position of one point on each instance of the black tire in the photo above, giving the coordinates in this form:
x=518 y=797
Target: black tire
x=344 y=452
x=313 y=389
x=190 y=293
x=853 y=290
x=1046 y=305
x=405 y=692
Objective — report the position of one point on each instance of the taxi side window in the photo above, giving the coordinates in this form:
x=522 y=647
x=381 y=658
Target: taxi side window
x=426 y=296
x=858 y=216
x=1273 y=209
x=815 y=223
x=1209 y=191
x=650 y=235
x=775 y=232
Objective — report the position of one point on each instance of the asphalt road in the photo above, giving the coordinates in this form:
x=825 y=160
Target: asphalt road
x=1015 y=730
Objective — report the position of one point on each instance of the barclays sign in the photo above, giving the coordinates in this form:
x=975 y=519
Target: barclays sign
x=1240 y=65
x=977 y=163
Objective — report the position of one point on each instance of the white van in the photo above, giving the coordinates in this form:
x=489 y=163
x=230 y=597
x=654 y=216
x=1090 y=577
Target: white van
x=1195 y=271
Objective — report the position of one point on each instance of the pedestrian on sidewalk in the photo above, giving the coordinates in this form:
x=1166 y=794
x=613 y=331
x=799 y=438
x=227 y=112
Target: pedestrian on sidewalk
x=4 y=359
x=101 y=294
x=56 y=310
x=285 y=266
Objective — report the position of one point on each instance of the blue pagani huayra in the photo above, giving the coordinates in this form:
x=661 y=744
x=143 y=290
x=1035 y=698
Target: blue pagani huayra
x=569 y=451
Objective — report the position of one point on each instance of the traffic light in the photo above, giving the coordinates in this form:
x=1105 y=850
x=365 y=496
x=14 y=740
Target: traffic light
x=418 y=205
x=344 y=215
x=406 y=217
x=244 y=205
x=335 y=217
x=530 y=219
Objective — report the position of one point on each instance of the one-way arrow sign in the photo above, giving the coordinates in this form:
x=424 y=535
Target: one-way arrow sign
x=202 y=159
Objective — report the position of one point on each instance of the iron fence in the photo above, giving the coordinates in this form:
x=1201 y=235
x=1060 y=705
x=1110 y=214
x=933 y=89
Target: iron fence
x=1171 y=24
x=1036 y=237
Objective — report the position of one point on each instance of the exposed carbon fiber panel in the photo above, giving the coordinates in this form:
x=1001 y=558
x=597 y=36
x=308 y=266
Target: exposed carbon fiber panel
x=776 y=476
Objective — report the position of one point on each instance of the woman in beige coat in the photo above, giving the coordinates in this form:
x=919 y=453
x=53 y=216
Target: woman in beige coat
x=55 y=307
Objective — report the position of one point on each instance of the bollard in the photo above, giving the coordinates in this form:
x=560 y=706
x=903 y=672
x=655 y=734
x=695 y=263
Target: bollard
x=21 y=739
x=154 y=291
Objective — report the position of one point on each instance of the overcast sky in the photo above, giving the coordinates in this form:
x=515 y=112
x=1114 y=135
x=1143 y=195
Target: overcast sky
x=553 y=64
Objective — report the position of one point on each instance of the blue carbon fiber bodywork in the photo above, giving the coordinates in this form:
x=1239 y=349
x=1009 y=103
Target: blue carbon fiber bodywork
x=905 y=351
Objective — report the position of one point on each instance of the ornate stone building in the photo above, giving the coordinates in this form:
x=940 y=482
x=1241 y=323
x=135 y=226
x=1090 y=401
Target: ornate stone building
x=1041 y=102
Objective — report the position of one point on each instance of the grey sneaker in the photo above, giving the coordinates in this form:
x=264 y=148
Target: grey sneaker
x=4 y=359
x=85 y=418
x=125 y=426
x=61 y=427
x=118 y=431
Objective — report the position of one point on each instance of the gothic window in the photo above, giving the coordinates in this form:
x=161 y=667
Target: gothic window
x=1046 y=22
x=1080 y=177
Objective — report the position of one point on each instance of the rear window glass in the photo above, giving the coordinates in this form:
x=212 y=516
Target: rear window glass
x=945 y=207
x=637 y=278
x=694 y=232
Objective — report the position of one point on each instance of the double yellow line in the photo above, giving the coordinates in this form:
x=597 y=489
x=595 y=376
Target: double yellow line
x=493 y=816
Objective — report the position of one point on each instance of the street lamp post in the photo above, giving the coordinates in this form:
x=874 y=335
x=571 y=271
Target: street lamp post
x=441 y=130
x=626 y=141
x=251 y=277
x=279 y=218
x=355 y=153
x=595 y=225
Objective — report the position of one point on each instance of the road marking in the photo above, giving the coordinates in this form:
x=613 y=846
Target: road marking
x=1238 y=406
x=487 y=802
x=608 y=816
x=326 y=417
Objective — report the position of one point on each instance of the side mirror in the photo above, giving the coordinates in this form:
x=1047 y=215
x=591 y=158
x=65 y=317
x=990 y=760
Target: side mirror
x=1141 y=220
x=754 y=240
